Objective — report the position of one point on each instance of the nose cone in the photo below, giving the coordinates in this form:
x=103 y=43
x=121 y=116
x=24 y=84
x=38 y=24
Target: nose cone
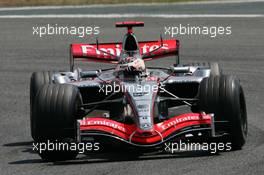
x=142 y=97
x=145 y=123
x=148 y=132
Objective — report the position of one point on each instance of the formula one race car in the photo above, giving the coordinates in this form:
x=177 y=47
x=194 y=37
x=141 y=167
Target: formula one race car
x=132 y=104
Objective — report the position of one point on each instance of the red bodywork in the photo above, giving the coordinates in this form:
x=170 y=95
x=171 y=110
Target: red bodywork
x=131 y=133
x=90 y=52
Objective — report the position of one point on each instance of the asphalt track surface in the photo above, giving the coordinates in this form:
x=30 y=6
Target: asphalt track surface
x=22 y=53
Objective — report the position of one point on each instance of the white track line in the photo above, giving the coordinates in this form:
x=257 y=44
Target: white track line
x=124 y=5
x=133 y=16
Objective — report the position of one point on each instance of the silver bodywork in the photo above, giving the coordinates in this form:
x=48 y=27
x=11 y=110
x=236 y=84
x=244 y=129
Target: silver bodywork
x=142 y=102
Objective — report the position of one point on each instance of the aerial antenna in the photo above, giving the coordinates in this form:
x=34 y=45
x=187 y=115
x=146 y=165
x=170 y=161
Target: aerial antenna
x=97 y=44
x=161 y=40
x=97 y=48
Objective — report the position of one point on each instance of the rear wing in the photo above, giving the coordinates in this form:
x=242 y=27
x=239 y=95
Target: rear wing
x=90 y=52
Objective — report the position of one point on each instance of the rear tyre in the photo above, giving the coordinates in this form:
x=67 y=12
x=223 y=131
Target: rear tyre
x=38 y=79
x=54 y=118
x=214 y=66
x=224 y=96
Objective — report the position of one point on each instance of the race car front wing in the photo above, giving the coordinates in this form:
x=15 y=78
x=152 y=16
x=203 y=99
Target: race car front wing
x=170 y=129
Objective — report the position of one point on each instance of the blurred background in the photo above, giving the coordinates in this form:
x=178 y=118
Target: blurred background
x=78 y=2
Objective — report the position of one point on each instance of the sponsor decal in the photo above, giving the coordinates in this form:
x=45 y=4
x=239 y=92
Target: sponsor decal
x=115 y=49
x=142 y=106
x=107 y=123
x=90 y=48
x=139 y=94
x=184 y=118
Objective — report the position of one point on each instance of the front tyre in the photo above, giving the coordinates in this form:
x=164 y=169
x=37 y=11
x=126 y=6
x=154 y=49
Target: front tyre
x=38 y=79
x=55 y=113
x=224 y=96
